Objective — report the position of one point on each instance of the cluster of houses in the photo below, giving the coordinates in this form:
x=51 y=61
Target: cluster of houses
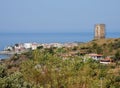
x=94 y=56
x=99 y=57
x=22 y=47
x=33 y=46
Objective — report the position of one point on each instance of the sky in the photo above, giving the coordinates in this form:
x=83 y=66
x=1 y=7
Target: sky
x=58 y=15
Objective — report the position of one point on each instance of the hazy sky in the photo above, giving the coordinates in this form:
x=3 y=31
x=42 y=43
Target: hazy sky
x=58 y=15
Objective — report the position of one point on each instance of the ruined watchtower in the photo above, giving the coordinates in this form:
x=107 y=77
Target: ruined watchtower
x=99 y=31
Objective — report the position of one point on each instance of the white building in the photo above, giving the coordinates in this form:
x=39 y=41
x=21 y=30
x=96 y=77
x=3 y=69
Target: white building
x=9 y=48
x=58 y=45
x=93 y=56
x=96 y=56
x=28 y=45
x=34 y=46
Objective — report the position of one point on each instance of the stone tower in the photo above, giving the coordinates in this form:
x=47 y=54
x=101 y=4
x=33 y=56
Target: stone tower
x=99 y=31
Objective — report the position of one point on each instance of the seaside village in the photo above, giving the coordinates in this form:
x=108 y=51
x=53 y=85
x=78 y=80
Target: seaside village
x=99 y=34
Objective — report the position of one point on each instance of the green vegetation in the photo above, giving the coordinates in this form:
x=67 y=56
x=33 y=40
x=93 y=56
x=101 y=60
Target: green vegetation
x=107 y=47
x=45 y=68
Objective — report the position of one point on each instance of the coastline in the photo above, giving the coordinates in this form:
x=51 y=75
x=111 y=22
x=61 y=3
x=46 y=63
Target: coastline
x=7 y=52
x=48 y=37
x=3 y=56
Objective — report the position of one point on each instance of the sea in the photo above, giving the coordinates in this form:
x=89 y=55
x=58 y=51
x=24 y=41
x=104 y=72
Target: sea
x=10 y=39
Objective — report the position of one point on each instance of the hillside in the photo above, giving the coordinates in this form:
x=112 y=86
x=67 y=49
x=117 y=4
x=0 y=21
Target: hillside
x=47 y=68
x=109 y=46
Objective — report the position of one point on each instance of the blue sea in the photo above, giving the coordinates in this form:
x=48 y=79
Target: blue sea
x=7 y=39
x=13 y=38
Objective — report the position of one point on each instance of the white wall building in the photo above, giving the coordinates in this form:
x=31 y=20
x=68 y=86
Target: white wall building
x=28 y=45
x=95 y=56
x=34 y=46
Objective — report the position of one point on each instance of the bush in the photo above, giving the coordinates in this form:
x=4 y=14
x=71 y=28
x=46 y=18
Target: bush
x=3 y=71
x=117 y=79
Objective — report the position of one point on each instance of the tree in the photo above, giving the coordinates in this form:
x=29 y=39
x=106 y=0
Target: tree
x=117 y=56
x=3 y=71
x=40 y=47
x=16 y=45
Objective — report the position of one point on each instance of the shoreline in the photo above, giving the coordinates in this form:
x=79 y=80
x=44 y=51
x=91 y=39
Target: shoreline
x=2 y=57
x=7 y=53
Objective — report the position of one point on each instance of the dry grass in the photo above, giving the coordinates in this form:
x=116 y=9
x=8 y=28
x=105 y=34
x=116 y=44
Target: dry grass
x=105 y=44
